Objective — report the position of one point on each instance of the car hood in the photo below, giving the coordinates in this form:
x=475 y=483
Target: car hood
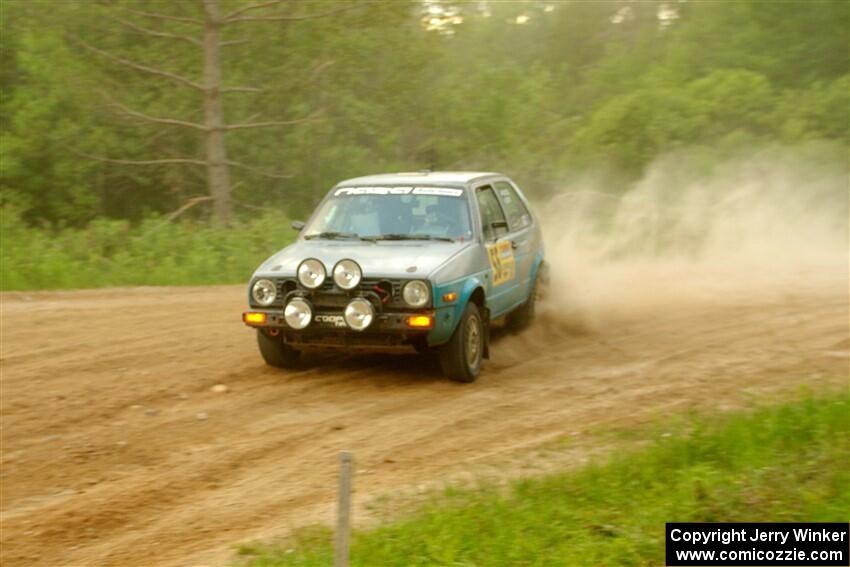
x=408 y=259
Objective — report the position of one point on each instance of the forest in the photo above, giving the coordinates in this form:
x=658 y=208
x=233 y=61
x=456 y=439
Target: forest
x=152 y=142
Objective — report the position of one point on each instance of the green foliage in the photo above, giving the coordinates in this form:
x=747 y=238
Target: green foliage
x=577 y=85
x=154 y=252
x=818 y=112
x=736 y=468
x=634 y=128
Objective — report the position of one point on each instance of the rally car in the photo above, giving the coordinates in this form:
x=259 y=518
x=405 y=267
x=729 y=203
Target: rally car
x=422 y=261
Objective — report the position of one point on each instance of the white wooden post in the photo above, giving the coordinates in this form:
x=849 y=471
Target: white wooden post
x=343 y=519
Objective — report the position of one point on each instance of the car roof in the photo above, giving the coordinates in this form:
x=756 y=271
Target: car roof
x=425 y=177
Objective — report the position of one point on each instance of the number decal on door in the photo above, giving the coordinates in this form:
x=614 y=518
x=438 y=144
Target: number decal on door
x=502 y=261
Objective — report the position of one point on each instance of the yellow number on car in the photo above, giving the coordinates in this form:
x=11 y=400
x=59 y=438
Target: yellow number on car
x=501 y=256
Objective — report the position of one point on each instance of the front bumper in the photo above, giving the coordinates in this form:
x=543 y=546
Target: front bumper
x=329 y=330
x=334 y=321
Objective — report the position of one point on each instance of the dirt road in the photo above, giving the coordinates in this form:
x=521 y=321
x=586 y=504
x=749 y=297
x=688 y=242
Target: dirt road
x=116 y=452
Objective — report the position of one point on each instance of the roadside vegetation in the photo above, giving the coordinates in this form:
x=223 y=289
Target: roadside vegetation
x=96 y=148
x=109 y=252
x=783 y=463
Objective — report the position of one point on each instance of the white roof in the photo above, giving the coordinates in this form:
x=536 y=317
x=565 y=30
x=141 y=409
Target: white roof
x=419 y=178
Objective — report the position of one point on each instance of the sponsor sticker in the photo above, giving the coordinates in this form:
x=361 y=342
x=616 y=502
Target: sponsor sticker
x=330 y=320
x=438 y=191
x=502 y=261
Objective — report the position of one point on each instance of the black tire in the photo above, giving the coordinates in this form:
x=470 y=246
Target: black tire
x=460 y=358
x=522 y=317
x=275 y=352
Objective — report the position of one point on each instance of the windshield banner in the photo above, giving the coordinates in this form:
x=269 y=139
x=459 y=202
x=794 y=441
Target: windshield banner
x=439 y=191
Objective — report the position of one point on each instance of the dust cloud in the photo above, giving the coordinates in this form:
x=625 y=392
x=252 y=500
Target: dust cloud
x=694 y=231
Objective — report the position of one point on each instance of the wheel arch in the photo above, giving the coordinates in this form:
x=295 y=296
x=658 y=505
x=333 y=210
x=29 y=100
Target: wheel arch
x=539 y=266
x=478 y=297
x=448 y=315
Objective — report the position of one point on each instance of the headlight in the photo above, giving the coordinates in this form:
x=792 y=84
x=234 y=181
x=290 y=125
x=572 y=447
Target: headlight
x=311 y=273
x=298 y=313
x=264 y=292
x=359 y=314
x=347 y=274
x=416 y=293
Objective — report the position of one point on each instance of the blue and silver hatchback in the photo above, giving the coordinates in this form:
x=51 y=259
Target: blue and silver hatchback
x=399 y=261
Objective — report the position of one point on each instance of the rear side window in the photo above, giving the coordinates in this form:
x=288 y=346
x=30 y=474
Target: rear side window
x=518 y=215
x=491 y=212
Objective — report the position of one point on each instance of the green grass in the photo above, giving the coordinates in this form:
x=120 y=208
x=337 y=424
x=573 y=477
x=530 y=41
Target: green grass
x=115 y=253
x=786 y=462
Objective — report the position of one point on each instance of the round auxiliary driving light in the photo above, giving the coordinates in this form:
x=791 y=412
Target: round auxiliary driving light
x=298 y=313
x=416 y=293
x=359 y=314
x=264 y=292
x=311 y=273
x=347 y=274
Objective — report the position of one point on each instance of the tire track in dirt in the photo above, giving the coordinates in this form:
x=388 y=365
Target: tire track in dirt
x=106 y=462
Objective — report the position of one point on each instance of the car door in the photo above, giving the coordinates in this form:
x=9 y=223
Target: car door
x=494 y=233
x=520 y=235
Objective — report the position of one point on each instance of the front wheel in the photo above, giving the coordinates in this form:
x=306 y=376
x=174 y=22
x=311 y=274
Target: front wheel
x=275 y=352
x=460 y=358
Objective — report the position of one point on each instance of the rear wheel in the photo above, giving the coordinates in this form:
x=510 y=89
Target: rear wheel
x=275 y=352
x=460 y=358
x=523 y=316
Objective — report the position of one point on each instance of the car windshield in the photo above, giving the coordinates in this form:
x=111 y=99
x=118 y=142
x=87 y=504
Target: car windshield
x=392 y=213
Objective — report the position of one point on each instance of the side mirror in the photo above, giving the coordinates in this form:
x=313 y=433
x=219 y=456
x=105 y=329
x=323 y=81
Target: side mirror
x=297 y=225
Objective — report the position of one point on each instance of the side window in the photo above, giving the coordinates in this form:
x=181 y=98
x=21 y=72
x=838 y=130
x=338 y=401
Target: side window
x=491 y=212
x=518 y=215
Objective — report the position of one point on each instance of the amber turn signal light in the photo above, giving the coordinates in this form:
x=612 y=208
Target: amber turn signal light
x=449 y=297
x=254 y=318
x=420 y=321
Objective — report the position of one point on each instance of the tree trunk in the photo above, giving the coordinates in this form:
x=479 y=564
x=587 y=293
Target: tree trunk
x=218 y=174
